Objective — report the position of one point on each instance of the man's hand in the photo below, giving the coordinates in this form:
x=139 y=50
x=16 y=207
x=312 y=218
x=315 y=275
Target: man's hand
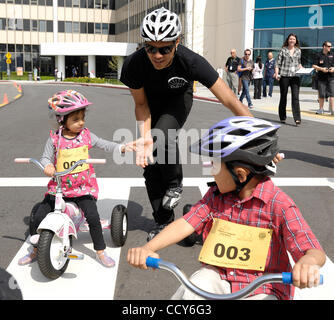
x=144 y=151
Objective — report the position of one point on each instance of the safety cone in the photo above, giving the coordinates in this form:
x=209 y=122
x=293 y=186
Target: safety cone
x=5 y=99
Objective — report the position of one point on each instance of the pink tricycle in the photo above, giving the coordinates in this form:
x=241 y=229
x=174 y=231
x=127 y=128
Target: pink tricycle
x=56 y=231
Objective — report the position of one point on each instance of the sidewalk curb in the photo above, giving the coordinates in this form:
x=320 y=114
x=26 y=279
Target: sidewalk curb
x=18 y=96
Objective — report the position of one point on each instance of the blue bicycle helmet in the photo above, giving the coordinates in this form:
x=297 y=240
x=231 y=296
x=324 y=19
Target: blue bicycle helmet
x=245 y=141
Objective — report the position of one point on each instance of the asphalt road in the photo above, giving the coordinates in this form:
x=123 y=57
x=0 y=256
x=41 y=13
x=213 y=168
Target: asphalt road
x=24 y=128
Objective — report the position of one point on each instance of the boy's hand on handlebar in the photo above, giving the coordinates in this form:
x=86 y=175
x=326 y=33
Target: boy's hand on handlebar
x=306 y=274
x=49 y=170
x=137 y=257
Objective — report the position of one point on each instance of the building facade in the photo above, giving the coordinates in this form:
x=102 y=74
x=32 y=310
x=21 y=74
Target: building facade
x=311 y=20
x=86 y=34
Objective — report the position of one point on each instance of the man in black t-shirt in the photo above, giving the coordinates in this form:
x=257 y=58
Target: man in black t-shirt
x=324 y=65
x=160 y=77
x=231 y=69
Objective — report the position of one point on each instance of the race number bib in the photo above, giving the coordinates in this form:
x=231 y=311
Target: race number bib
x=236 y=246
x=67 y=157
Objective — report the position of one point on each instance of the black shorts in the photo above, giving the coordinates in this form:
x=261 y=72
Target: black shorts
x=326 y=88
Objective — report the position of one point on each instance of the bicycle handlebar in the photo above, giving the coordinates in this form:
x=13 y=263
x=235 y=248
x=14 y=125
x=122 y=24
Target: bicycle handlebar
x=62 y=173
x=284 y=277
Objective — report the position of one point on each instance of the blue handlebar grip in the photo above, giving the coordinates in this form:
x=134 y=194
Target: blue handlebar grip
x=152 y=262
x=287 y=278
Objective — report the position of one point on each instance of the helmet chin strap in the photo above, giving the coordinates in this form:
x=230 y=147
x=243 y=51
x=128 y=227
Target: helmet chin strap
x=239 y=185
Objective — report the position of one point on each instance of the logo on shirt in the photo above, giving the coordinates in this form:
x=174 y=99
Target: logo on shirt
x=176 y=82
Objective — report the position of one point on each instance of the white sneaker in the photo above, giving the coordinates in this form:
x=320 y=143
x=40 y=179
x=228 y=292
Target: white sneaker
x=172 y=198
x=320 y=111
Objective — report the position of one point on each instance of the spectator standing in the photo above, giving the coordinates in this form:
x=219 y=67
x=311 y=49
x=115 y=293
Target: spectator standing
x=258 y=77
x=288 y=63
x=246 y=67
x=231 y=68
x=324 y=65
x=269 y=74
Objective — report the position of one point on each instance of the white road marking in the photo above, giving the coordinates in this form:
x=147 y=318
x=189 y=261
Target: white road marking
x=83 y=279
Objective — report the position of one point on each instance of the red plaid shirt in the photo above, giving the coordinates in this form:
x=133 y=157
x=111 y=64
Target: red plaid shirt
x=267 y=207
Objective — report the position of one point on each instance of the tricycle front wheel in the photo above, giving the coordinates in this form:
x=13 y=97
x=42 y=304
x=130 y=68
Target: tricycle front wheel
x=51 y=259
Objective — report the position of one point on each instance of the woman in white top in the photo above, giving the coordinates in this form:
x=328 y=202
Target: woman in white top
x=258 y=77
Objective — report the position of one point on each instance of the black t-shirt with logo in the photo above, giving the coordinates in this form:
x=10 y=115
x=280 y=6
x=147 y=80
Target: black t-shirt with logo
x=169 y=90
x=324 y=61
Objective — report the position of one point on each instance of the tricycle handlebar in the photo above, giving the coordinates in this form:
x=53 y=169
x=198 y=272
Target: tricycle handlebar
x=62 y=173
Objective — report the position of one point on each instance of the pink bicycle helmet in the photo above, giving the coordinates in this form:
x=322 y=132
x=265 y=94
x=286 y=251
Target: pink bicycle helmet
x=65 y=102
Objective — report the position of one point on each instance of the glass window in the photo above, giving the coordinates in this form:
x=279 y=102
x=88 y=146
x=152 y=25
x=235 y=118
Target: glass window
x=33 y=25
x=90 y=3
x=68 y=27
x=111 y=28
x=90 y=27
x=269 y=4
x=112 y=4
x=3 y=24
x=328 y=15
x=11 y=24
x=83 y=3
x=42 y=25
x=35 y=48
x=269 y=19
x=19 y=59
x=76 y=3
x=49 y=26
x=26 y=2
x=18 y=24
x=2 y=1
x=68 y=3
x=61 y=3
x=11 y=47
x=105 y=28
x=49 y=3
x=83 y=27
x=98 y=28
x=61 y=26
x=268 y=38
x=306 y=37
x=32 y=2
x=297 y=17
x=19 y=48
x=26 y=24
x=105 y=4
x=3 y=47
x=41 y=2
x=27 y=62
x=76 y=27
x=300 y=2
x=97 y=4
x=325 y=34
x=18 y=1
x=27 y=48
x=10 y=1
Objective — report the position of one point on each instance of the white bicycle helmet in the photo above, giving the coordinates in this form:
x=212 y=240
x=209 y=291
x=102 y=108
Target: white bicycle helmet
x=161 y=25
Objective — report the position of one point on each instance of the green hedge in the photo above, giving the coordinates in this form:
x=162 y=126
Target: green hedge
x=92 y=80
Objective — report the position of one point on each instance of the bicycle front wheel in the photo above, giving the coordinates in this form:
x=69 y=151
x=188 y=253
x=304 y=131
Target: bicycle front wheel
x=51 y=259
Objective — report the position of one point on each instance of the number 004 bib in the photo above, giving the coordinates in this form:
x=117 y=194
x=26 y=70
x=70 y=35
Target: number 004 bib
x=67 y=157
x=236 y=246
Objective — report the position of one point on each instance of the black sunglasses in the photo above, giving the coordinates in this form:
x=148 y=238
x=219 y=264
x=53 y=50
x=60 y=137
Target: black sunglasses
x=162 y=50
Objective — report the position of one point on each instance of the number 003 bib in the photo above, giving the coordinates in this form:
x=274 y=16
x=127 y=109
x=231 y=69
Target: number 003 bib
x=67 y=157
x=236 y=246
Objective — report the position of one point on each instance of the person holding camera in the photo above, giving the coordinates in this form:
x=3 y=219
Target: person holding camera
x=324 y=65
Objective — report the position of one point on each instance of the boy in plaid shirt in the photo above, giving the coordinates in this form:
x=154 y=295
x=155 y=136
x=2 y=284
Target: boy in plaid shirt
x=248 y=223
